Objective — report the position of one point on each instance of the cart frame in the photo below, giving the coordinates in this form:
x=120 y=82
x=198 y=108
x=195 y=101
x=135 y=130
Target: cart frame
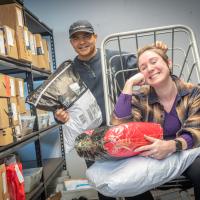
x=188 y=68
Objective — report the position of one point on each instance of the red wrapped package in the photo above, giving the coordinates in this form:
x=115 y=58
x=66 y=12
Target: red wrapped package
x=15 y=181
x=116 y=141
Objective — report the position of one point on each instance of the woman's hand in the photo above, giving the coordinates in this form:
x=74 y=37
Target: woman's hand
x=159 y=149
x=138 y=79
x=61 y=115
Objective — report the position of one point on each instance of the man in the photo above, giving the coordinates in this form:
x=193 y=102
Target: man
x=87 y=64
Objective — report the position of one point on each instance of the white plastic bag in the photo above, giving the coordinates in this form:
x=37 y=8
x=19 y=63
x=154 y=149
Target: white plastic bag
x=84 y=114
x=135 y=175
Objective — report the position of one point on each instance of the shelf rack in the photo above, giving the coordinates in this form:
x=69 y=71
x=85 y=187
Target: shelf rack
x=30 y=74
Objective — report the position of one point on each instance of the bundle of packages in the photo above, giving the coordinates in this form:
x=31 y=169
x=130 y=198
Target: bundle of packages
x=116 y=141
x=64 y=89
x=132 y=176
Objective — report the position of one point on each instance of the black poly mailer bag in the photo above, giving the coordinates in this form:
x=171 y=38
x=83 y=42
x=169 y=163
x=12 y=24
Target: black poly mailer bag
x=61 y=89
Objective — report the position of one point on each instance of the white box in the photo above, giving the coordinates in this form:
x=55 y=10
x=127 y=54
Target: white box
x=76 y=188
x=76 y=184
x=90 y=194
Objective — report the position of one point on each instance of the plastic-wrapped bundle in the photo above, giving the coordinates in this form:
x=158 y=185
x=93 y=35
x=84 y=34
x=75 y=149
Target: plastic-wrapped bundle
x=116 y=141
x=133 y=176
x=15 y=180
x=61 y=89
x=84 y=114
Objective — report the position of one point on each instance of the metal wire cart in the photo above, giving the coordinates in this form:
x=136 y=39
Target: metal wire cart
x=182 y=50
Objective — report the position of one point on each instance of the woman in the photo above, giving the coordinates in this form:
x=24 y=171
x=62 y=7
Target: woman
x=163 y=98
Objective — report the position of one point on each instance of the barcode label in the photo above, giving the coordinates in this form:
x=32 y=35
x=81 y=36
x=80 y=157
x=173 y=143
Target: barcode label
x=19 y=174
x=82 y=118
x=90 y=114
x=94 y=110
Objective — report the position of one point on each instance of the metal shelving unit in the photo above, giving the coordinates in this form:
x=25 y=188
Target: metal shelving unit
x=30 y=74
x=35 y=194
x=51 y=167
x=11 y=66
x=11 y=1
x=29 y=138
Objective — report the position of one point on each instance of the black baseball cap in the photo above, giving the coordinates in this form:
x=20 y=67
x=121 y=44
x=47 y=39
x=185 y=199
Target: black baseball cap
x=80 y=25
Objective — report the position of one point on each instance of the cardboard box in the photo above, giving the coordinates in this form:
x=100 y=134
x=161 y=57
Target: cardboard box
x=11 y=15
x=23 y=44
x=9 y=42
x=46 y=55
x=4 y=113
x=41 y=46
x=21 y=105
x=2 y=43
x=4 y=86
x=12 y=86
x=3 y=183
x=6 y=136
x=33 y=49
x=7 y=86
x=19 y=87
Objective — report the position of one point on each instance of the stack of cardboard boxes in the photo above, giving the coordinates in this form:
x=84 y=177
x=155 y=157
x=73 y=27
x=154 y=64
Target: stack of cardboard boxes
x=12 y=16
x=16 y=41
x=12 y=104
x=8 y=46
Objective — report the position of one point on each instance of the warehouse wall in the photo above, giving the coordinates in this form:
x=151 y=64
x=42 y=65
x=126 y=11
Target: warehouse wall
x=110 y=16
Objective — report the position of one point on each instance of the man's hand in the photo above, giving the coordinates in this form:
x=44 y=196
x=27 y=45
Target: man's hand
x=61 y=115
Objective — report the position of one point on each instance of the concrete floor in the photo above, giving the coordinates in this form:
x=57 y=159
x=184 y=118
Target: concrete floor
x=76 y=169
x=173 y=194
x=91 y=194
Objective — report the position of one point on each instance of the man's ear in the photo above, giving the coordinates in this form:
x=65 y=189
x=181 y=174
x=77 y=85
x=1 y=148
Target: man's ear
x=95 y=35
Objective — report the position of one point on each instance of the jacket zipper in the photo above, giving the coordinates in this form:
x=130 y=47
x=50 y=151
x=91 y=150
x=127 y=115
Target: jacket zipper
x=90 y=69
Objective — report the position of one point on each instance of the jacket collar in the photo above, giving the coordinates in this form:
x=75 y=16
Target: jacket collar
x=93 y=59
x=181 y=86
